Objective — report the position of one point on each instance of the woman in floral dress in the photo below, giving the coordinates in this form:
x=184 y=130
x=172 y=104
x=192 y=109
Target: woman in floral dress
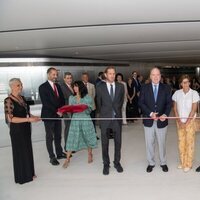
x=81 y=132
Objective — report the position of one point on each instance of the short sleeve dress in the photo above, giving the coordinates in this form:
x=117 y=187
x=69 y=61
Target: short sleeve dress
x=20 y=134
x=81 y=132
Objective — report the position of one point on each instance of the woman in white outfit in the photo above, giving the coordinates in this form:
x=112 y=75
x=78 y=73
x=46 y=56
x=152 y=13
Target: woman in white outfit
x=119 y=78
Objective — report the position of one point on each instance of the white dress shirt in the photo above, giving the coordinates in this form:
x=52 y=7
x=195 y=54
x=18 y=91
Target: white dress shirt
x=51 y=83
x=109 y=87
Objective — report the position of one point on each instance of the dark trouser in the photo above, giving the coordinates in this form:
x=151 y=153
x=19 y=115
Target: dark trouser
x=92 y=115
x=67 y=125
x=53 y=132
x=116 y=127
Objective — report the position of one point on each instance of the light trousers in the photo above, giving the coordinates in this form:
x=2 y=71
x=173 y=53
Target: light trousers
x=124 y=112
x=151 y=135
x=186 y=142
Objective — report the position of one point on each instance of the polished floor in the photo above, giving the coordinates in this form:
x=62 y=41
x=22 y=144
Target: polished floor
x=85 y=181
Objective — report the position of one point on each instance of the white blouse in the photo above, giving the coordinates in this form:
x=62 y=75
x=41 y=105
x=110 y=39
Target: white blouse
x=184 y=102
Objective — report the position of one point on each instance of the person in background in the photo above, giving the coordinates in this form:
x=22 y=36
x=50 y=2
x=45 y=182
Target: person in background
x=168 y=82
x=155 y=102
x=67 y=90
x=99 y=78
x=81 y=132
x=92 y=93
x=52 y=98
x=119 y=78
x=131 y=108
x=135 y=81
x=195 y=84
x=136 y=84
x=185 y=106
x=19 y=118
x=175 y=84
x=140 y=79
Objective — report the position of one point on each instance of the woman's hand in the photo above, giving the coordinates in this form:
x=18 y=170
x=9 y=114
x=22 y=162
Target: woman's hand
x=33 y=119
x=181 y=124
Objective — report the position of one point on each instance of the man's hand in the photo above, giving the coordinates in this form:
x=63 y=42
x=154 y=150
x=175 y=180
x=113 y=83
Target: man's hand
x=181 y=124
x=59 y=114
x=154 y=116
x=163 y=118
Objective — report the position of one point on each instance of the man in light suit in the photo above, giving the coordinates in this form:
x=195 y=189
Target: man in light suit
x=67 y=90
x=155 y=102
x=110 y=98
x=91 y=93
x=52 y=98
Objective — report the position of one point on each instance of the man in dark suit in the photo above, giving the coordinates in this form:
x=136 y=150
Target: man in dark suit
x=155 y=102
x=110 y=97
x=67 y=90
x=52 y=98
x=135 y=81
x=136 y=84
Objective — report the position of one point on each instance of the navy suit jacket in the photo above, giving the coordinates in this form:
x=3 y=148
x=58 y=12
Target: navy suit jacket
x=50 y=103
x=161 y=106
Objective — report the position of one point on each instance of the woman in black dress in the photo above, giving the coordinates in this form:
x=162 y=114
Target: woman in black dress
x=19 y=120
x=131 y=107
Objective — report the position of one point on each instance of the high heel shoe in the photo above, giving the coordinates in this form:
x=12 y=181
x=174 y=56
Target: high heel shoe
x=90 y=158
x=66 y=163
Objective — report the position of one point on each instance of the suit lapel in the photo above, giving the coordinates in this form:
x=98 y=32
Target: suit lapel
x=51 y=89
x=116 y=91
x=151 y=92
x=68 y=89
x=106 y=91
x=159 y=92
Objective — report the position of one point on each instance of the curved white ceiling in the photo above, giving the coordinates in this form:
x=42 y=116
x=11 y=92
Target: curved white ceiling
x=117 y=30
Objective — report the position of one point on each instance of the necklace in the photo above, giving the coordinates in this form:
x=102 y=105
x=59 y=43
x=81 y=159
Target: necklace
x=20 y=101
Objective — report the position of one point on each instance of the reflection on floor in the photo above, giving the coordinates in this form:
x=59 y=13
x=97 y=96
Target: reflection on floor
x=85 y=181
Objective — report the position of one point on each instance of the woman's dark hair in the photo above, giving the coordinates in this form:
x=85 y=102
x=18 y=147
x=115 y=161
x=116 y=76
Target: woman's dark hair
x=82 y=88
x=119 y=74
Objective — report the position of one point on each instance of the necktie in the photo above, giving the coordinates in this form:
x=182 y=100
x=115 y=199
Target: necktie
x=55 y=90
x=112 y=97
x=155 y=92
x=111 y=92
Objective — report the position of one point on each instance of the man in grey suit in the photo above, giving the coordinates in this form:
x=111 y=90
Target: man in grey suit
x=155 y=102
x=110 y=97
x=67 y=90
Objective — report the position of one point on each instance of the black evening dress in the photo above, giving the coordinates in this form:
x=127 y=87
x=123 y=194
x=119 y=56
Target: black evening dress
x=20 y=134
x=132 y=107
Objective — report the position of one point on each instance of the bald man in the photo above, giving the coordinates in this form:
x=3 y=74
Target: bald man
x=155 y=102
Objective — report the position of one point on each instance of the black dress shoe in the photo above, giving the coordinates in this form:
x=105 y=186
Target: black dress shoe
x=106 y=169
x=198 y=169
x=164 y=168
x=150 y=168
x=118 y=167
x=61 y=156
x=54 y=161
